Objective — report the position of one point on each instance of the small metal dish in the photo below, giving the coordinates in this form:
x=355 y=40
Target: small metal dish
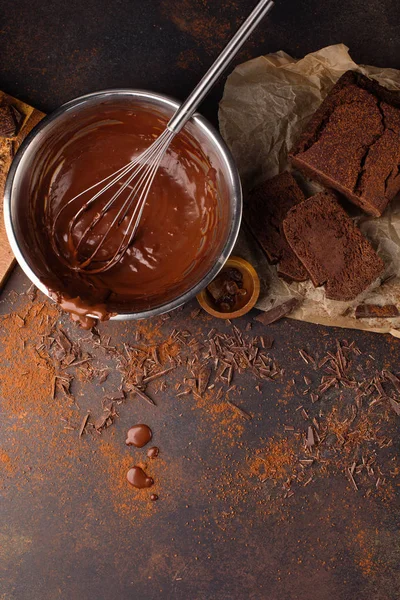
x=251 y=283
x=29 y=160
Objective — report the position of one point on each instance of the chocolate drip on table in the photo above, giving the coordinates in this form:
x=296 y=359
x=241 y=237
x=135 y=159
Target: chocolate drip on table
x=138 y=478
x=138 y=436
x=153 y=452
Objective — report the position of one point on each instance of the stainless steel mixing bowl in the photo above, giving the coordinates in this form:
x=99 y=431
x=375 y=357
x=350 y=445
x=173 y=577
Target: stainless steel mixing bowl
x=28 y=160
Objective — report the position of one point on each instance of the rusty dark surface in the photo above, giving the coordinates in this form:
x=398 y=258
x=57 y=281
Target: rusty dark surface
x=64 y=530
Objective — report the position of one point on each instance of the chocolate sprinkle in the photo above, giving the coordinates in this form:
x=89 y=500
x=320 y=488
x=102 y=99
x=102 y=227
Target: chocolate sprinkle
x=83 y=424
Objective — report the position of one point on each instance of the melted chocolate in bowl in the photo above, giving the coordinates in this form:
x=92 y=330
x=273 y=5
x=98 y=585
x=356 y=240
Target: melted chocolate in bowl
x=185 y=223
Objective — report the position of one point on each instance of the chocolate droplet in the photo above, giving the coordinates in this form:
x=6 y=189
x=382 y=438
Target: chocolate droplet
x=153 y=497
x=138 y=436
x=138 y=478
x=153 y=452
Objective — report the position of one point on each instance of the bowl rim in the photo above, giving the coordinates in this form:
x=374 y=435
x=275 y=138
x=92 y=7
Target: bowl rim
x=236 y=195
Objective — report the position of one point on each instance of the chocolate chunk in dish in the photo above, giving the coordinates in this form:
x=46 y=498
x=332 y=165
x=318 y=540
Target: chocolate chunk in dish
x=352 y=143
x=331 y=247
x=264 y=212
x=227 y=289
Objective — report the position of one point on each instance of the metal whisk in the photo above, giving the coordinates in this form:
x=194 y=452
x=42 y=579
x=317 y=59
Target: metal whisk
x=135 y=179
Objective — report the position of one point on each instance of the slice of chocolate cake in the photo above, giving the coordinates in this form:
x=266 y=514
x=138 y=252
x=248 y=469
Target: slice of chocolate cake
x=352 y=143
x=331 y=247
x=264 y=212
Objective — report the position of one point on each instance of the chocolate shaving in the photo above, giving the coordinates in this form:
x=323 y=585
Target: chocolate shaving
x=375 y=311
x=142 y=395
x=101 y=422
x=64 y=340
x=21 y=321
x=393 y=379
x=103 y=376
x=304 y=356
x=83 y=424
x=76 y=363
x=395 y=405
x=204 y=377
x=109 y=414
x=351 y=479
x=310 y=441
x=305 y=414
x=157 y=375
x=32 y=292
x=239 y=410
x=267 y=341
x=278 y=312
x=156 y=358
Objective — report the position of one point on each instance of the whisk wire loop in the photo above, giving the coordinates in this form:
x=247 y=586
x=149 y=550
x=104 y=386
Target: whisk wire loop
x=144 y=171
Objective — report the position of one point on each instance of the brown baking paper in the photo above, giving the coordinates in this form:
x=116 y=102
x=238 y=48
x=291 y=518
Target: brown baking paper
x=266 y=104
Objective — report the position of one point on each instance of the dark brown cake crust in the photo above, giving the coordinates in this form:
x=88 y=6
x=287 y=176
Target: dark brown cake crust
x=264 y=212
x=331 y=247
x=352 y=143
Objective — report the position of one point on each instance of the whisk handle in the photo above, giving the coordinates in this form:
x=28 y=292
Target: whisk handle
x=186 y=110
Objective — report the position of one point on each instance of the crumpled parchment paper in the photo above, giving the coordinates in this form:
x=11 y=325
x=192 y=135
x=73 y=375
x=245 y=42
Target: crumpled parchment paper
x=266 y=104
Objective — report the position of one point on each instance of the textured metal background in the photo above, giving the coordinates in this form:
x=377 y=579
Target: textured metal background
x=65 y=531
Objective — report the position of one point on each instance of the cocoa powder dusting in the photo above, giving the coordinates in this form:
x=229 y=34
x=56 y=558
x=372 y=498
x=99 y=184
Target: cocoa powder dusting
x=6 y=463
x=339 y=421
x=344 y=426
x=20 y=337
